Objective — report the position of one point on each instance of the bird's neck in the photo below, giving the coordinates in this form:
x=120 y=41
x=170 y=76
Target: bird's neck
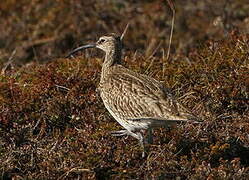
x=112 y=58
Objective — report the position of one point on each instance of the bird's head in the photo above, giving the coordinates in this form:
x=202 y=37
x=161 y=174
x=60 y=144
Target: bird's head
x=108 y=43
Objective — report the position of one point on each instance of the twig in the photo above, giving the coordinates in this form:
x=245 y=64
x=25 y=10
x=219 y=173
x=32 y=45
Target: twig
x=10 y=60
x=39 y=42
x=125 y=30
x=155 y=50
x=62 y=87
x=76 y=169
x=171 y=5
x=152 y=54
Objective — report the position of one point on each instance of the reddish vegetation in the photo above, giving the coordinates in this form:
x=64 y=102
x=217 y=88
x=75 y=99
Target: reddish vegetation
x=53 y=122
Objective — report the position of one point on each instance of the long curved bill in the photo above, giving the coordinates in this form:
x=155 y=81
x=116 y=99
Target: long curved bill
x=80 y=48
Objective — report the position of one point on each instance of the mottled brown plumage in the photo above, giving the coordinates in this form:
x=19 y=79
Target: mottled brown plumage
x=135 y=100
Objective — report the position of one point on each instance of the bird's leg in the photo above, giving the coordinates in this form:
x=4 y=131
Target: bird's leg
x=141 y=141
x=139 y=136
x=136 y=135
x=149 y=138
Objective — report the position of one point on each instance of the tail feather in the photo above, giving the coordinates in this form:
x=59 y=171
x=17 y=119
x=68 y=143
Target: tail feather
x=158 y=121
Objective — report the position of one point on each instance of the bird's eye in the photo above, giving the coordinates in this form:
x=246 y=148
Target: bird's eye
x=101 y=41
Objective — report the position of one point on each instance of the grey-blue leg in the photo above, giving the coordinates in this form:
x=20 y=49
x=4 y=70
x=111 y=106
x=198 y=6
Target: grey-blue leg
x=149 y=138
x=120 y=133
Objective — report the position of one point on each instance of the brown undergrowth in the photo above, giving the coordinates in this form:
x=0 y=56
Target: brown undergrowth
x=54 y=125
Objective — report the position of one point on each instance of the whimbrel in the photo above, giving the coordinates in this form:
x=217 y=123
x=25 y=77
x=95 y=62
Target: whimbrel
x=138 y=102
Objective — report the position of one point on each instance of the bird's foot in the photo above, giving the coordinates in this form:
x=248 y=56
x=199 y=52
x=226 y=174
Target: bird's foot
x=120 y=133
x=137 y=135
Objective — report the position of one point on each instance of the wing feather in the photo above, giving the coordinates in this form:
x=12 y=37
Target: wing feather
x=142 y=96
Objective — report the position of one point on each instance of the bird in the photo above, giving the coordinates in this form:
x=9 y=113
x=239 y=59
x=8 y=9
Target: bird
x=136 y=101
